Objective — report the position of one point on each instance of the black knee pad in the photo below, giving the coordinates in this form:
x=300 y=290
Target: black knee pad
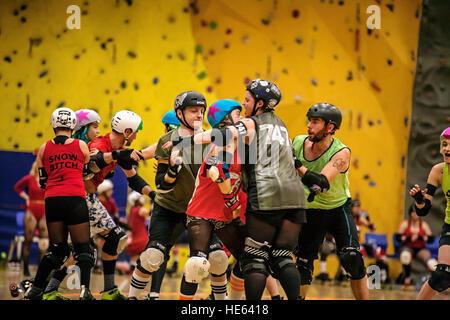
x=58 y=253
x=112 y=241
x=84 y=254
x=255 y=257
x=353 y=263
x=280 y=259
x=305 y=268
x=440 y=278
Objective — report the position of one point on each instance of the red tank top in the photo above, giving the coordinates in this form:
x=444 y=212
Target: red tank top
x=207 y=200
x=64 y=166
x=137 y=224
x=418 y=244
x=103 y=144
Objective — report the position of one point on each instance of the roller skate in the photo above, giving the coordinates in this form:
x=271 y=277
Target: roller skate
x=20 y=289
x=54 y=295
x=113 y=294
x=85 y=294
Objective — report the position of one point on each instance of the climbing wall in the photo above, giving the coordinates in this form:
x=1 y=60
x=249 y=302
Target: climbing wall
x=134 y=55
x=140 y=54
x=431 y=104
x=322 y=51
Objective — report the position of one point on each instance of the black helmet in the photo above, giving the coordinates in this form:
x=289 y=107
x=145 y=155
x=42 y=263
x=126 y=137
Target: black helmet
x=266 y=91
x=189 y=99
x=327 y=112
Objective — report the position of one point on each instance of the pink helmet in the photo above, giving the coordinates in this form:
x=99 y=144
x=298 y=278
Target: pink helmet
x=446 y=133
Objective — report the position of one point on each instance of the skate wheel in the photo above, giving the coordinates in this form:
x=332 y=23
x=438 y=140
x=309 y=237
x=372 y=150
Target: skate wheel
x=14 y=289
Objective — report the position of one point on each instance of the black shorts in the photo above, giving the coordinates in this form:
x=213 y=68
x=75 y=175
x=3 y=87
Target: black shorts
x=166 y=226
x=276 y=217
x=339 y=222
x=70 y=210
x=445 y=235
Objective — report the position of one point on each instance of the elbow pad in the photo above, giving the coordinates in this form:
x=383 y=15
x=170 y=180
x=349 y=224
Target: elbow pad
x=161 y=185
x=161 y=171
x=87 y=173
x=99 y=160
x=137 y=183
x=43 y=177
x=424 y=211
x=431 y=189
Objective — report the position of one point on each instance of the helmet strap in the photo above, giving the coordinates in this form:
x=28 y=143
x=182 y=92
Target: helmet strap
x=255 y=109
x=184 y=122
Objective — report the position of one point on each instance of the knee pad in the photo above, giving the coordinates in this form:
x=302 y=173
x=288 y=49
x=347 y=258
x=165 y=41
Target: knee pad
x=218 y=260
x=405 y=257
x=196 y=268
x=305 y=268
x=58 y=253
x=152 y=258
x=280 y=259
x=43 y=244
x=353 y=263
x=431 y=264
x=440 y=279
x=255 y=257
x=115 y=241
x=84 y=254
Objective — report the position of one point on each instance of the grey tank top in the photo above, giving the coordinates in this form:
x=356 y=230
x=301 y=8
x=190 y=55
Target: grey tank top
x=272 y=180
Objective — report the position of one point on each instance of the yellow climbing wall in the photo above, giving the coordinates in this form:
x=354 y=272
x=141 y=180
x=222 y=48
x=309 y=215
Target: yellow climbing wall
x=322 y=51
x=139 y=54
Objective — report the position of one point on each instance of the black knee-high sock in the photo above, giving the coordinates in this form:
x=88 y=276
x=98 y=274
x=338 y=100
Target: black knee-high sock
x=406 y=270
x=290 y=281
x=157 y=278
x=187 y=290
x=254 y=283
x=109 y=268
x=44 y=270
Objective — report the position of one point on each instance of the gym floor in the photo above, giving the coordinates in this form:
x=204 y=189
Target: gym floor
x=170 y=287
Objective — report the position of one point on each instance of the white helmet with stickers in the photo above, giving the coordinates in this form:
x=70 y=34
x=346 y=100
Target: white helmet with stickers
x=85 y=117
x=64 y=118
x=126 y=119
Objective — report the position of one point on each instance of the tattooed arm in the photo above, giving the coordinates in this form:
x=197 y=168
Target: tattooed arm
x=339 y=163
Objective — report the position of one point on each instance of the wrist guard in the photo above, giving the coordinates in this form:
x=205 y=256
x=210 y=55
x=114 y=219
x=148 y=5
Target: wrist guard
x=418 y=197
x=43 y=177
x=424 y=211
x=123 y=158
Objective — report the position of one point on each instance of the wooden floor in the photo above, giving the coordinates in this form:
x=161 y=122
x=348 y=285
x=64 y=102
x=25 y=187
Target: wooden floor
x=170 y=287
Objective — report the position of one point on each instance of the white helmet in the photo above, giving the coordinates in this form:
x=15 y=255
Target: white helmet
x=64 y=118
x=132 y=197
x=85 y=117
x=126 y=119
x=105 y=186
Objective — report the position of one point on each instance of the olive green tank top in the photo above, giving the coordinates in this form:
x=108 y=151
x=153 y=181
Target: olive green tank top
x=446 y=189
x=178 y=198
x=339 y=192
x=273 y=181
